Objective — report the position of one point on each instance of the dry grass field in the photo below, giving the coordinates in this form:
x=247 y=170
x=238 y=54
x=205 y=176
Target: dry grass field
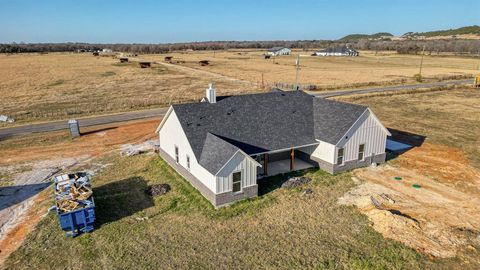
x=38 y=87
x=326 y=72
x=41 y=87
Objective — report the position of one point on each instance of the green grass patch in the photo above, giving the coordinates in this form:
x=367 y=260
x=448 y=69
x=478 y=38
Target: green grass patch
x=6 y=179
x=281 y=229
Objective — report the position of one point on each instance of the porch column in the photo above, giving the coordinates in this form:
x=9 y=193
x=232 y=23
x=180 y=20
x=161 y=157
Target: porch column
x=265 y=164
x=292 y=159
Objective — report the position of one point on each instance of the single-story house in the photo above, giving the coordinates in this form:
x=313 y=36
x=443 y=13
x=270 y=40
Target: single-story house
x=222 y=145
x=338 y=51
x=275 y=51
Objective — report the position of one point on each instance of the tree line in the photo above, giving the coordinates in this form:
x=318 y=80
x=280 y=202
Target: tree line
x=459 y=46
x=401 y=46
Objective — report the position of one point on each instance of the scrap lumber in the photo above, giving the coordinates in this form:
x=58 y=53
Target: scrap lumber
x=72 y=191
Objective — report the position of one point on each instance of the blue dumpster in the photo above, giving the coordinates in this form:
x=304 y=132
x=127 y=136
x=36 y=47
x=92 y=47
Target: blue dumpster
x=74 y=203
x=77 y=221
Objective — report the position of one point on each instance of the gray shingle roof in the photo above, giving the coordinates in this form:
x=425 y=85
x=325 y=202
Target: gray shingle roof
x=215 y=153
x=259 y=123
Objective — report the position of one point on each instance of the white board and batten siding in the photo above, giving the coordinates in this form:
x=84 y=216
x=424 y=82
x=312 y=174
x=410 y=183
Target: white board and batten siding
x=239 y=162
x=172 y=134
x=369 y=131
x=324 y=151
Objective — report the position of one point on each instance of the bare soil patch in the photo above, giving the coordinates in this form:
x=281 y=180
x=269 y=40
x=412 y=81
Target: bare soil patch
x=35 y=211
x=97 y=141
x=441 y=218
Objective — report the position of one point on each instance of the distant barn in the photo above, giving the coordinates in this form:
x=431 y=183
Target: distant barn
x=275 y=51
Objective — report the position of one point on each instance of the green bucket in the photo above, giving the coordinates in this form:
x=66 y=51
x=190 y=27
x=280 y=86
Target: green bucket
x=417 y=186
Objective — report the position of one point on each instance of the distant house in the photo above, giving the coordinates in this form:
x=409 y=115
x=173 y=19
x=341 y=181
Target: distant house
x=275 y=51
x=224 y=144
x=337 y=51
x=107 y=50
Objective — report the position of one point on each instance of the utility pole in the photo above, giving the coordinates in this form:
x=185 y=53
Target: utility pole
x=297 y=69
x=421 y=62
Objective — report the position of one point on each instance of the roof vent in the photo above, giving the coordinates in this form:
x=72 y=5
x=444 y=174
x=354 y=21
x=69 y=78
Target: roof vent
x=211 y=94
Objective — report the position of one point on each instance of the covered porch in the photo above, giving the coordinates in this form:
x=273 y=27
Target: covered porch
x=278 y=162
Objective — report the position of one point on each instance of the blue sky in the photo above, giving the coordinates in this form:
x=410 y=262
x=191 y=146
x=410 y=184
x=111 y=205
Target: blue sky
x=186 y=20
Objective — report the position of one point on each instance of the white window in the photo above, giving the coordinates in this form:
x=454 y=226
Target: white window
x=361 y=151
x=176 y=154
x=340 y=155
x=237 y=181
x=188 y=162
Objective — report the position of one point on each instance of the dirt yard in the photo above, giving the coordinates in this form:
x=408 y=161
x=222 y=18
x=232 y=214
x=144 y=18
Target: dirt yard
x=94 y=141
x=441 y=216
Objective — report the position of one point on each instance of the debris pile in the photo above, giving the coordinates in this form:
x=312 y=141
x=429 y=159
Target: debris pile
x=158 y=189
x=294 y=182
x=136 y=149
x=4 y=118
x=72 y=192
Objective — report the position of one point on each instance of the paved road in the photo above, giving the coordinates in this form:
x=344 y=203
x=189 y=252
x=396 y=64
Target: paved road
x=390 y=88
x=128 y=116
x=84 y=122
